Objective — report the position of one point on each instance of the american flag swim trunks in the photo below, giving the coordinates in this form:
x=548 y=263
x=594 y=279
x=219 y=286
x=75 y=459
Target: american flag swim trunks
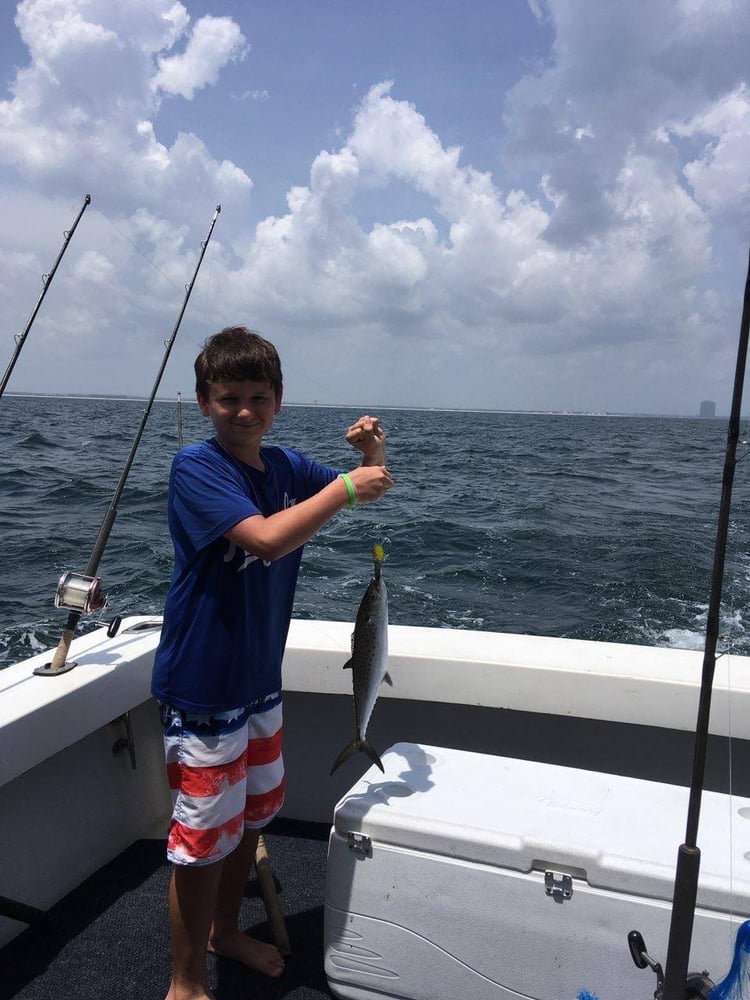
x=226 y=773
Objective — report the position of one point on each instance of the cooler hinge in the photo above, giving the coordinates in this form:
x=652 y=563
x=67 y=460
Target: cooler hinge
x=359 y=843
x=559 y=885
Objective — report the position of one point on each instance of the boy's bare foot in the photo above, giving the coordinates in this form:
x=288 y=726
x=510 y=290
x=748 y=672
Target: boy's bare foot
x=186 y=993
x=257 y=955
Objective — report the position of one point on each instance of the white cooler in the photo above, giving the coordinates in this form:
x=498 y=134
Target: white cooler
x=462 y=876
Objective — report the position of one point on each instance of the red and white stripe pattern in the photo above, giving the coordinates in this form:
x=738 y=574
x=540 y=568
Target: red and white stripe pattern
x=222 y=783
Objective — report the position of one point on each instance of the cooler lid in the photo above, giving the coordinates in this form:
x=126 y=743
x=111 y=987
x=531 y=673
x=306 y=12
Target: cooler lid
x=620 y=834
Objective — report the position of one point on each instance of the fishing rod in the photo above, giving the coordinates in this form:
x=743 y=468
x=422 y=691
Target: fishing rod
x=81 y=593
x=675 y=976
x=688 y=858
x=46 y=282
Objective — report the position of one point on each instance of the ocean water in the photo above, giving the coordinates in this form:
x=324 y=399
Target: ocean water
x=595 y=527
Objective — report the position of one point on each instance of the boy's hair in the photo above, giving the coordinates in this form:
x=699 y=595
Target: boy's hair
x=236 y=353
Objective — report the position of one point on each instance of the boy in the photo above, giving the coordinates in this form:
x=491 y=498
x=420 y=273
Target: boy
x=239 y=514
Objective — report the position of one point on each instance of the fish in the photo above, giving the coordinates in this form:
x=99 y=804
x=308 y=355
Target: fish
x=369 y=660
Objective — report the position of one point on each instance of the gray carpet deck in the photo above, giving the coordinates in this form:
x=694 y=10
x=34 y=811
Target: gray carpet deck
x=109 y=939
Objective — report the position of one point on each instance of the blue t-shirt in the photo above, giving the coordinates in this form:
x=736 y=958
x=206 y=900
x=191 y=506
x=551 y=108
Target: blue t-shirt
x=227 y=613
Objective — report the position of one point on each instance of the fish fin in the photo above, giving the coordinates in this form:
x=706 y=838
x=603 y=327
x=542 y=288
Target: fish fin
x=356 y=746
x=347 y=665
x=387 y=679
x=372 y=753
x=346 y=753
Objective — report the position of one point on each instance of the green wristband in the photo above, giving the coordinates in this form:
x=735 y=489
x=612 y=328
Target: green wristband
x=352 y=501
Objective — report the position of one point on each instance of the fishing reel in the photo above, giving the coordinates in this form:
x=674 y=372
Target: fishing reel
x=81 y=595
x=84 y=595
x=697 y=985
x=77 y=592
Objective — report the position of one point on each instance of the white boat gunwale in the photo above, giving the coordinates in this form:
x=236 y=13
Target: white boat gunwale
x=614 y=682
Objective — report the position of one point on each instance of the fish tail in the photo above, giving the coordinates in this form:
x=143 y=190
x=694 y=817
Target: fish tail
x=356 y=746
x=372 y=753
x=346 y=753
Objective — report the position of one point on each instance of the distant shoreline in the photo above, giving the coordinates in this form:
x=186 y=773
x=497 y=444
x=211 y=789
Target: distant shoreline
x=346 y=406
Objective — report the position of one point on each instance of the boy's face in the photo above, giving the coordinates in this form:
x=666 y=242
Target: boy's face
x=241 y=412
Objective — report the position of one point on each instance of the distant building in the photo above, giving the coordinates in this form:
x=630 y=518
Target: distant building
x=708 y=408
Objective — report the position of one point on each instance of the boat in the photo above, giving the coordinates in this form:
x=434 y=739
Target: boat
x=84 y=807
x=82 y=778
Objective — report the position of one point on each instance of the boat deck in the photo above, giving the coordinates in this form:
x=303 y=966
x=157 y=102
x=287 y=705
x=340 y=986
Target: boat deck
x=109 y=937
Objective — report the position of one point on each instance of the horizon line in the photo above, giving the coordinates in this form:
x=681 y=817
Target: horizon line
x=389 y=406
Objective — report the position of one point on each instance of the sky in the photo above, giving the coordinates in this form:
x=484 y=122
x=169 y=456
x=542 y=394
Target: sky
x=501 y=204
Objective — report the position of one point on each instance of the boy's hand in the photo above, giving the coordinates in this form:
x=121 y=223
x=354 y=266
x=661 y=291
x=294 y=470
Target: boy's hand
x=368 y=437
x=370 y=482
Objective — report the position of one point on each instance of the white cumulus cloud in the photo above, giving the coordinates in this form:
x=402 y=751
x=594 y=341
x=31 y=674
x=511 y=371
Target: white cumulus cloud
x=591 y=248
x=214 y=42
x=81 y=114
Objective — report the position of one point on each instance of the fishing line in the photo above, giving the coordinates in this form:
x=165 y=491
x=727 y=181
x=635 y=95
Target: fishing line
x=684 y=900
x=215 y=323
x=208 y=283
x=137 y=248
x=209 y=320
x=733 y=631
x=179 y=420
x=81 y=593
x=731 y=639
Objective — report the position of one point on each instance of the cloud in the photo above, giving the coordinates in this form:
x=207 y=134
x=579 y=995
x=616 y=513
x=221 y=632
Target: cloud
x=618 y=75
x=214 y=42
x=252 y=95
x=94 y=267
x=484 y=261
x=719 y=175
x=591 y=248
x=59 y=129
x=55 y=32
x=599 y=280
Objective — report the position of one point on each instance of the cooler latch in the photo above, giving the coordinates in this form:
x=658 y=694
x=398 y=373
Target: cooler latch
x=360 y=844
x=559 y=885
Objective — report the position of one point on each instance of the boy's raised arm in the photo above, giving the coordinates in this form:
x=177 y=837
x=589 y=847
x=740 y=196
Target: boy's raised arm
x=275 y=536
